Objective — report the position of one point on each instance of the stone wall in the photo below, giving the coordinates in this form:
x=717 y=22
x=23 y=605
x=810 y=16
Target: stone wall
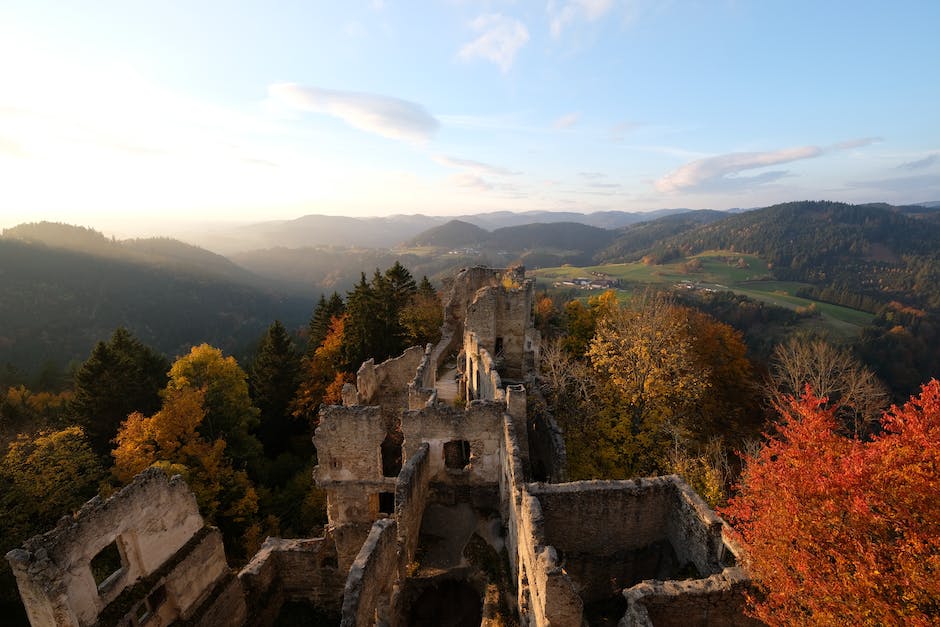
x=348 y=442
x=551 y=597
x=614 y=534
x=421 y=390
x=387 y=384
x=694 y=530
x=479 y=425
x=480 y=374
x=715 y=600
x=291 y=570
x=411 y=497
x=151 y=521
x=371 y=577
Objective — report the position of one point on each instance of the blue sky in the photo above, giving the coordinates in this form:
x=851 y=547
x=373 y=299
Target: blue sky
x=124 y=114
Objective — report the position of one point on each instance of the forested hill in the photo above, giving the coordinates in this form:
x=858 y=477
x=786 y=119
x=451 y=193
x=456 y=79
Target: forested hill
x=646 y=235
x=452 y=234
x=55 y=304
x=880 y=251
x=160 y=252
x=533 y=244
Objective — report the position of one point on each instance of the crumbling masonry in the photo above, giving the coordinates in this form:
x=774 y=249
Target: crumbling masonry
x=434 y=517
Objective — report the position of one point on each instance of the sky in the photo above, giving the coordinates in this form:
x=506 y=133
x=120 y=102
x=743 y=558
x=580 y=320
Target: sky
x=137 y=114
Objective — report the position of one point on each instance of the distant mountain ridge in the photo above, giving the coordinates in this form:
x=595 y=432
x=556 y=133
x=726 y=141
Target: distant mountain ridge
x=391 y=231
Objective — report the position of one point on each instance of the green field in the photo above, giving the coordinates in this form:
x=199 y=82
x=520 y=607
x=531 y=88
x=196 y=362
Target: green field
x=718 y=270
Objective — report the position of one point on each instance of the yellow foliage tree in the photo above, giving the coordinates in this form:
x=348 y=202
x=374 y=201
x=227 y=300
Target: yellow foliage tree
x=170 y=439
x=647 y=352
x=230 y=415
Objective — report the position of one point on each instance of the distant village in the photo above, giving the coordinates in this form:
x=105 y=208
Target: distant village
x=600 y=281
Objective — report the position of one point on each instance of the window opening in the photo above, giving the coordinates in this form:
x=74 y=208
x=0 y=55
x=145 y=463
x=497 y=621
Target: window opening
x=457 y=454
x=391 y=454
x=106 y=564
x=386 y=503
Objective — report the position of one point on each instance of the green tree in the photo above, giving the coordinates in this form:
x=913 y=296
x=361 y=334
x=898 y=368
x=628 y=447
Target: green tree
x=362 y=325
x=121 y=376
x=272 y=382
x=230 y=414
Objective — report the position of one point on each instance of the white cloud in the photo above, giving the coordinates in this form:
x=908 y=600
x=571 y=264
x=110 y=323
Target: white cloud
x=589 y=10
x=567 y=121
x=383 y=115
x=477 y=167
x=500 y=39
x=470 y=181
x=723 y=170
x=919 y=164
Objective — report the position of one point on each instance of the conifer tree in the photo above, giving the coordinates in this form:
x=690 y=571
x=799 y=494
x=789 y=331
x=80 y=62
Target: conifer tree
x=120 y=376
x=272 y=383
x=360 y=326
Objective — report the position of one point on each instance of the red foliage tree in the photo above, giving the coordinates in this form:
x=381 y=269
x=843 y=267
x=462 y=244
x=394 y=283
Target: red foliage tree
x=840 y=531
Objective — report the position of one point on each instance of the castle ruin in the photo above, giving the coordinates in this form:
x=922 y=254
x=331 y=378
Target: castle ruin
x=446 y=503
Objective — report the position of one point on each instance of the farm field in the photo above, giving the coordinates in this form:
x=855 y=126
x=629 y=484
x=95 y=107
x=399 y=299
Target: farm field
x=714 y=271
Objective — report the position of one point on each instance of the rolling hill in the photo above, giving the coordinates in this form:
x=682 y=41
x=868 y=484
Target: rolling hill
x=57 y=302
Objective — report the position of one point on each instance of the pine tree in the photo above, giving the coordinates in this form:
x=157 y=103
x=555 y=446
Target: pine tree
x=361 y=325
x=121 y=376
x=272 y=383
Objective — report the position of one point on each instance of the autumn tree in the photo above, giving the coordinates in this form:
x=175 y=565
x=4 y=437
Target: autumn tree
x=323 y=314
x=23 y=410
x=843 y=531
x=852 y=389
x=120 y=376
x=422 y=317
x=321 y=374
x=230 y=414
x=647 y=352
x=42 y=477
x=172 y=439
x=50 y=473
x=272 y=382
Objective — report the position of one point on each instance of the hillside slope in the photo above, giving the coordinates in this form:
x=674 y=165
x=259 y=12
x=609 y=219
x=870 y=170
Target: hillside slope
x=55 y=304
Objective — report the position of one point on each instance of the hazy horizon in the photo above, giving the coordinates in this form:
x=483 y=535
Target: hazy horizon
x=136 y=119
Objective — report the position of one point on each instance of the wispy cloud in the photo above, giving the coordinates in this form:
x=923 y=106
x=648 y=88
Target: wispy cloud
x=712 y=173
x=567 y=121
x=560 y=16
x=383 y=115
x=470 y=181
x=920 y=164
x=620 y=130
x=478 y=167
x=500 y=39
x=593 y=175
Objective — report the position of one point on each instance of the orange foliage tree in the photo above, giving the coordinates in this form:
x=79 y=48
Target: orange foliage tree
x=322 y=374
x=840 y=531
x=170 y=439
